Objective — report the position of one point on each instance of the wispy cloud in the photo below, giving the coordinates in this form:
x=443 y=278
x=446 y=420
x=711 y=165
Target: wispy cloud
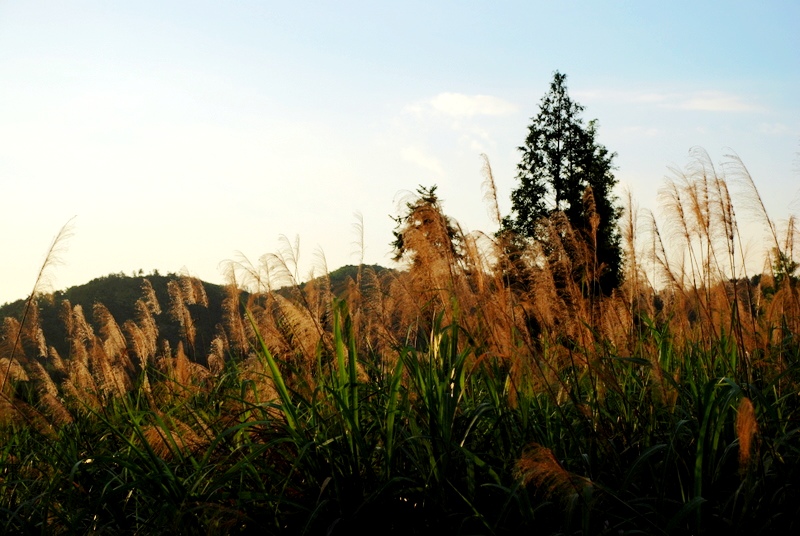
x=775 y=129
x=459 y=105
x=639 y=131
x=441 y=115
x=417 y=156
x=706 y=101
x=715 y=101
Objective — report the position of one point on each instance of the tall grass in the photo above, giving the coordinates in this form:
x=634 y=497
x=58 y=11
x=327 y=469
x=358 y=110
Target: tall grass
x=486 y=389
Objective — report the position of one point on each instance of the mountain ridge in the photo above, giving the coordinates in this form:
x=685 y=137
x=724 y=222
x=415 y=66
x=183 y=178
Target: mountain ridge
x=120 y=292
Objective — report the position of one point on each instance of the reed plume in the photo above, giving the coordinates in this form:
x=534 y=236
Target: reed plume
x=538 y=466
x=746 y=430
x=180 y=312
x=216 y=354
x=42 y=381
x=149 y=297
x=51 y=259
x=232 y=321
x=172 y=438
x=80 y=387
x=112 y=337
x=490 y=190
x=54 y=358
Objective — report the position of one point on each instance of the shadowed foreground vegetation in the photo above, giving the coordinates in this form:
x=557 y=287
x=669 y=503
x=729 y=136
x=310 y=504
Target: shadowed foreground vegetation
x=485 y=390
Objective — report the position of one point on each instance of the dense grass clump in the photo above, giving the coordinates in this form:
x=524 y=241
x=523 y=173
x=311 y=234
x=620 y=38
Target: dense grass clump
x=487 y=389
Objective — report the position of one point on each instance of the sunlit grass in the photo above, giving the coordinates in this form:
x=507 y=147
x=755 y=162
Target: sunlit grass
x=471 y=394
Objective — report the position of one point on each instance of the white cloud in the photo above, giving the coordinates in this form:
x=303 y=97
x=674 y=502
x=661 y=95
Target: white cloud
x=647 y=132
x=460 y=105
x=715 y=101
x=476 y=138
x=437 y=118
x=417 y=156
x=706 y=101
x=656 y=98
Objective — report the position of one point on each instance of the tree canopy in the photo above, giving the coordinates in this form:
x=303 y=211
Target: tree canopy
x=564 y=169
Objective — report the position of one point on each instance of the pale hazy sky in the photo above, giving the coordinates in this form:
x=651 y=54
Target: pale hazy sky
x=183 y=134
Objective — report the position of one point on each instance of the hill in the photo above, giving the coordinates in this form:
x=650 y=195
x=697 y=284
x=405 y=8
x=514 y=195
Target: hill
x=119 y=294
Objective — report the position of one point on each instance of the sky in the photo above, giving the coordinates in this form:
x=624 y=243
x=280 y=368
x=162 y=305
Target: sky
x=182 y=136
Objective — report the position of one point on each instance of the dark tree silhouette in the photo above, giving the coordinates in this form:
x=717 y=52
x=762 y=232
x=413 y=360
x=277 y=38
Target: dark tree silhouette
x=562 y=163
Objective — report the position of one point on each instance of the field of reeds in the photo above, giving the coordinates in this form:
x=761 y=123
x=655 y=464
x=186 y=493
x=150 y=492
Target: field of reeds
x=484 y=390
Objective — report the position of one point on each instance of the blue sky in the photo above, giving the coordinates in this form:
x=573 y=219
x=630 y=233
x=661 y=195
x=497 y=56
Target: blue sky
x=184 y=134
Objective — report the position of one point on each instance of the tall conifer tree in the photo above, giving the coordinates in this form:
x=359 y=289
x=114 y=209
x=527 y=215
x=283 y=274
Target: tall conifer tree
x=561 y=159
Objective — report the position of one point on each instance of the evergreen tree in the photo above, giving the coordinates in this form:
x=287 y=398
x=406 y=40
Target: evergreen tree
x=561 y=163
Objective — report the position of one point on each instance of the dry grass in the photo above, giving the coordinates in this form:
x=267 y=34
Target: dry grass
x=746 y=430
x=529 y=318
x=687 y=272
x=538 y=466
